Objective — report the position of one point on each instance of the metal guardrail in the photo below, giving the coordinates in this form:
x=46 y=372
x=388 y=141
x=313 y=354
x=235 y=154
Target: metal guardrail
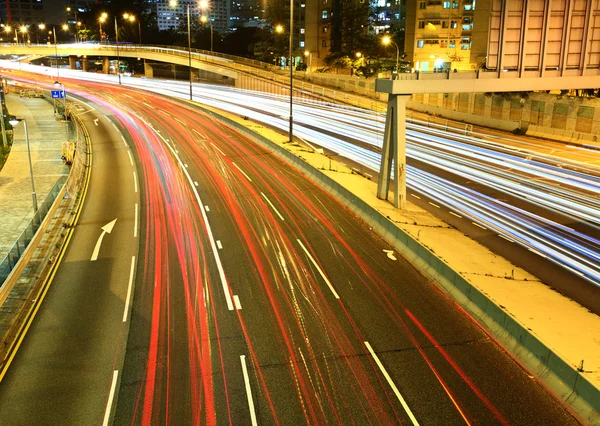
x=16 y=251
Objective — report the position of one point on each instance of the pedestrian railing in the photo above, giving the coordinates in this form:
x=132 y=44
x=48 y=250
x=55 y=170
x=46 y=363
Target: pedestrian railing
x=16 y=251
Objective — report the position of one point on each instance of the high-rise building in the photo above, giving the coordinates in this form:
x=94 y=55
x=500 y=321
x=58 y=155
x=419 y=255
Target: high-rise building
x=544 y=38
x=171 y=17
x=18 y=12
x=315 y=30
x=443 y=35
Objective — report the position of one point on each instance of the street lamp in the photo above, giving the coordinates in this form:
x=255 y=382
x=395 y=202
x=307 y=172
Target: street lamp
x=101 y=20
x=131 y=18
x=118 y=55
x=204 y=19
x=279 y=29
x=387 y=41
x=13 y=122
x=23 y=30
x=173 y=3
x=55 y=51
x=7 y=30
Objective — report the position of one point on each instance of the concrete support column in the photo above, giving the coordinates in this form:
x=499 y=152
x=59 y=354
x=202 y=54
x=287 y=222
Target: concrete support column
x=148 y=71
x=72 y=62
x=84 y=63
x=106 y=65
x=393 y=153
x=194 y=75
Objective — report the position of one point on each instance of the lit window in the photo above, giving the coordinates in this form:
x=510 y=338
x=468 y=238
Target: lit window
x=301 y=44
x=446 y=5
x=324 y=14
x=420 y=43
x=302 y=30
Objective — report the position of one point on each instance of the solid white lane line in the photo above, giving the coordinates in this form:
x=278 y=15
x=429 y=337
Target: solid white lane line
x=318 y=269
x=217 y=148
x=111 y=397
x=476 y=224
x=207 y=208
x=135 y=222
x=211 y=238
x=130 y=157
x=236 y=301
x=129 y=288
x=272 y=206
x=416 y=196
x=458 y=216
x=392 y=384
x=248 y=391
x=124 y=141
x=244 y=173
x=135 y=186
x=434 y=205
x=219 y=245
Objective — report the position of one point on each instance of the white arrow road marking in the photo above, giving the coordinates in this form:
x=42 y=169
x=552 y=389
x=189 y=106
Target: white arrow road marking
x=96 y=121
x=390 y=254
x=106 y=229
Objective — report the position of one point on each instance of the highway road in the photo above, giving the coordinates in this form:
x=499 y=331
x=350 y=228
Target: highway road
x=258 y=297
x=511 y=195
x=62 y=373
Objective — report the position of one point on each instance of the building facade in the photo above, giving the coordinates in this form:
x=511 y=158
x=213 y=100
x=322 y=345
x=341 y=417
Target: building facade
x=19 y=12
x=447 y=35
x=545 y=37
x=171 y=17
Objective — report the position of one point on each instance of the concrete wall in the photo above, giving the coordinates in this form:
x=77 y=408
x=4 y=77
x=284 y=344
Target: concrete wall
x=563 y=118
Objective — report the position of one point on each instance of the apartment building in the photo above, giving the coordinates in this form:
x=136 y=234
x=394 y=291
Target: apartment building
x=315 y=30
x=16 y=12
x=171 y=17
x=545 y=38
x=447 y=35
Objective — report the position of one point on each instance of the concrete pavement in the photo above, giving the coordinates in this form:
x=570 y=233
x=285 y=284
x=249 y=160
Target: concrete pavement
x=46 y=136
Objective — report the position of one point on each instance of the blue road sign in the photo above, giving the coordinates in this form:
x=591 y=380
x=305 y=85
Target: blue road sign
x=58 y=94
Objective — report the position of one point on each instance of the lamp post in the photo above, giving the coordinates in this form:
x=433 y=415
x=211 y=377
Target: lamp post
x=206 y=18
x=55 y=51
x=173 y=3
x=101 y=20
x=131 y=18
x=386 y=41
x=118 y=55
x=41 y=27
x=33 y=194
x=279 y=29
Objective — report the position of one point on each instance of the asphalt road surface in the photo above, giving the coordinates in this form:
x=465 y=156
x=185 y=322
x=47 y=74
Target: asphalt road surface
x=258 y=299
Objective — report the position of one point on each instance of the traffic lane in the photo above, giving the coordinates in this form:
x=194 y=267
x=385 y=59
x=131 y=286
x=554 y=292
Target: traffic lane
x=173 y=367
x=247 y=208
x=549 y=273
x=437 y=323
x=282 y=317
x=63 y=371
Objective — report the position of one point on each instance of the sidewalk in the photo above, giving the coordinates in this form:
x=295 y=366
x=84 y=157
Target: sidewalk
x=46 y=136
x=569 y=329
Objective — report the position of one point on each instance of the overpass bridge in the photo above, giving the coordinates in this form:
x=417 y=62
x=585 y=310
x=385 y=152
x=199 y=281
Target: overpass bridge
x=243 y=71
